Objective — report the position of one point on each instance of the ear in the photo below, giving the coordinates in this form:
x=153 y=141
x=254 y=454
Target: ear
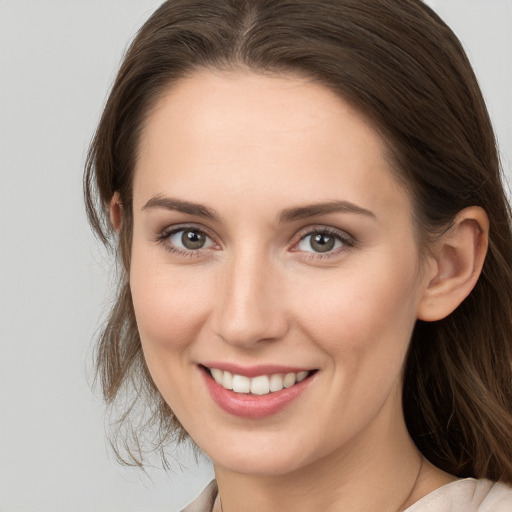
x=116 y=211
x=458 y=258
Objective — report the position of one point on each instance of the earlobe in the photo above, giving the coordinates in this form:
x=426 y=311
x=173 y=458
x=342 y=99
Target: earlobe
x=116 y=211
x=459 y=256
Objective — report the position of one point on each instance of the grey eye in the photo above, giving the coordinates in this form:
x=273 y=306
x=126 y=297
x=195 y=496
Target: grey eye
x=190 y=239
x=319 y=242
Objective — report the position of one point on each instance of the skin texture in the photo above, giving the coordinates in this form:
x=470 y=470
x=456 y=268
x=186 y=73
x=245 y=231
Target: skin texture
x=246 y=147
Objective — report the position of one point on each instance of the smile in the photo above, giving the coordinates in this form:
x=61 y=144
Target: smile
x=259 y=385
x=255 y=392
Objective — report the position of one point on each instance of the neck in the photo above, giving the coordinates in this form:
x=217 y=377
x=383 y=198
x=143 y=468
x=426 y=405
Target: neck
x=380 y=470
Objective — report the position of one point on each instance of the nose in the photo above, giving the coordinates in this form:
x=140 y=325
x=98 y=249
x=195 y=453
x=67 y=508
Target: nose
x=250 y=307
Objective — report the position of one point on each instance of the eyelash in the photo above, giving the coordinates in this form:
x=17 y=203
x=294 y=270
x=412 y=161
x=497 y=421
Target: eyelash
x=347 y=241
x=164 y=236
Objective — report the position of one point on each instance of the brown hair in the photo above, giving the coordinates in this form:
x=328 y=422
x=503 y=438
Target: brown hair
x=398 y=63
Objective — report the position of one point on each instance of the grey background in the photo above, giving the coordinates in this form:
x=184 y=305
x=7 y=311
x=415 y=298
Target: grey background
x=57 y=61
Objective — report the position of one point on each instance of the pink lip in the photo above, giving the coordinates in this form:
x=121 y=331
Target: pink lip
x=253 y=406
x=254 y=371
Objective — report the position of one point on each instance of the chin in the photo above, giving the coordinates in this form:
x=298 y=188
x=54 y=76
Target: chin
x=257 y=455
x=258 y=465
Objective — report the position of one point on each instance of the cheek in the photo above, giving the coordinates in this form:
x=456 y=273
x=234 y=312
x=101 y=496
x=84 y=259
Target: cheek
x=363 y=311
x=362 y=321
x=169 y=306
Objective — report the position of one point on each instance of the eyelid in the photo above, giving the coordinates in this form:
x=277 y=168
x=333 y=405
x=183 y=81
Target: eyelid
x=163 y=235
x=348 y=240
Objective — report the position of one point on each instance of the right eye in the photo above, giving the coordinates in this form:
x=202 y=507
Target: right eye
x=185 y=241
x=190 y=239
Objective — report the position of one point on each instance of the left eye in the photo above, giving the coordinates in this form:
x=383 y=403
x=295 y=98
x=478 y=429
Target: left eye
x=320 y=242
x=190 y=239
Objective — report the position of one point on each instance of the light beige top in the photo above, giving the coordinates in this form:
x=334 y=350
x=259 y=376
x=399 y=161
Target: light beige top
x=468 y=495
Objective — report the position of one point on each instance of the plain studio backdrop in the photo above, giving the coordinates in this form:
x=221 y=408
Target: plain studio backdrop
x=58 y=59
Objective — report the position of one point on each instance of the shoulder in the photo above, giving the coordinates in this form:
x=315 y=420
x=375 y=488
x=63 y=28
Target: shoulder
x=468 y=495
x=498 y=499
x=204 y=502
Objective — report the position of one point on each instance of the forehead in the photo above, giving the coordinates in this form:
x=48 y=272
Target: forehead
x=245 y=133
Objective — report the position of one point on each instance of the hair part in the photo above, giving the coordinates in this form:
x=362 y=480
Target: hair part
x=400 y=65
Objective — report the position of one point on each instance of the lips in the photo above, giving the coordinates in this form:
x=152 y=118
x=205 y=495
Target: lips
x=255 y=392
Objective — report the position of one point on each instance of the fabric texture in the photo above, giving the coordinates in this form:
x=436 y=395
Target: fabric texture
x=204 y=502
x=468 y=495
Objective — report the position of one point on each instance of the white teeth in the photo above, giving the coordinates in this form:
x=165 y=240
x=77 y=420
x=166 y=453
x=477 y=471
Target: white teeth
x=289 y=380
x=241 y=384
x=301 y=376
x=217 y=375
x=261 y=385
x=276 y=382
x=227 y=380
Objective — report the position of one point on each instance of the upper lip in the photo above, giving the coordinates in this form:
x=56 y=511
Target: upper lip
x=256 y=370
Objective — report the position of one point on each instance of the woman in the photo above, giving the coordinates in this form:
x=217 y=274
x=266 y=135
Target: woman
x=316 y=248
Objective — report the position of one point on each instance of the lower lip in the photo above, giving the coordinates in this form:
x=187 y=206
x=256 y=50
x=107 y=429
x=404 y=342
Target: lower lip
x=253 y=406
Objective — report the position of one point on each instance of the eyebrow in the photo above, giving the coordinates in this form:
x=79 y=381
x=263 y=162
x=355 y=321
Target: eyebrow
x=303 y=212
x=286 y=215
x=170 y=203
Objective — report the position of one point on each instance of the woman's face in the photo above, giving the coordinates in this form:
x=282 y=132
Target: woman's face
x=272 y=242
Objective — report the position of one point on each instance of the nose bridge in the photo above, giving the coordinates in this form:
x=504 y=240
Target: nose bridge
x=247 y=309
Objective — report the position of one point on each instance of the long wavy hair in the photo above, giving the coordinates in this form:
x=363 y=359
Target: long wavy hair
x=399 y=64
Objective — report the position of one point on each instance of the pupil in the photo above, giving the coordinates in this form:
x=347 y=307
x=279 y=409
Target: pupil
x=192 y=239
x=322 y=243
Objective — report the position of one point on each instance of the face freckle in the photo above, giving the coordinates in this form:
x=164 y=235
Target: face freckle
x=304 y=259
